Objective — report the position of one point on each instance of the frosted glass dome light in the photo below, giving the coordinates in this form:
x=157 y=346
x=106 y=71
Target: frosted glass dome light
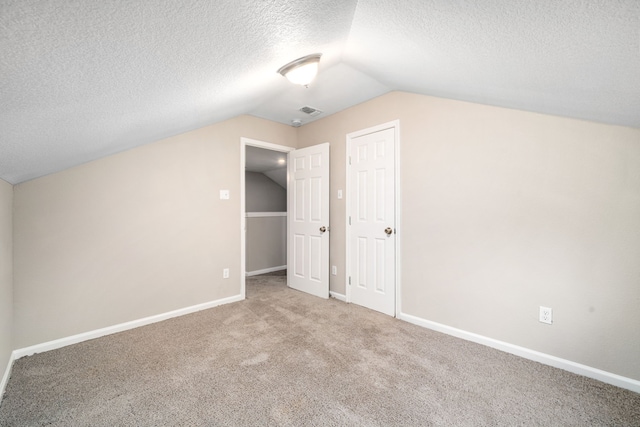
x=303 y=70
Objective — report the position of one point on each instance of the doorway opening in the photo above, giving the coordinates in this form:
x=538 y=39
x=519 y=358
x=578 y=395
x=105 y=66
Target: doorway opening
x=307 y=218
x=263 y=188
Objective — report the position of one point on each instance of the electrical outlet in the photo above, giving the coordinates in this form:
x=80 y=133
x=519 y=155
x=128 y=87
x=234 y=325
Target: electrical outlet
x=334 y=270
x=546 y=315
x=225 y=273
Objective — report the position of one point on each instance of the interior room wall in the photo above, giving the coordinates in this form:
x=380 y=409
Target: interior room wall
x=132 y=235
x=263 y=194
x=266 y=243
x=6 y=275
x=503 y=211
x=266 y=236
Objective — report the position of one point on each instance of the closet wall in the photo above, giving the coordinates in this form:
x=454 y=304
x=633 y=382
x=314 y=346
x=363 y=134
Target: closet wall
x=266 y=207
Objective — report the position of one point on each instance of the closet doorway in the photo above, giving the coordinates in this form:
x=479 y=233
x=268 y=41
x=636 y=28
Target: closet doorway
x=263 y=207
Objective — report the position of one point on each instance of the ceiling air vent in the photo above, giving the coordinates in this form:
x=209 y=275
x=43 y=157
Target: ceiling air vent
x=310 y=111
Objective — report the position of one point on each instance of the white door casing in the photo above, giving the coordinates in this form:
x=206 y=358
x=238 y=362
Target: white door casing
x=308 y=218
x=372 y=219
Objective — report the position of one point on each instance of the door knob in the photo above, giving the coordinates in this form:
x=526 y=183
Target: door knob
x=388 y=230
x=323 y=229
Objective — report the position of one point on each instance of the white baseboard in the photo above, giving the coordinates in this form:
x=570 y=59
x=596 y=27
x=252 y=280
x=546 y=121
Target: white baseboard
x=339 y=297
x=5 y=377
x=63 y=342
x=265 y=271
x=546 y=359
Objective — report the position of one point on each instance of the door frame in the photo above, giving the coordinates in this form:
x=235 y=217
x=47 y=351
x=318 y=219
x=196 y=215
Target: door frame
x=395 y=125
x=243 y=215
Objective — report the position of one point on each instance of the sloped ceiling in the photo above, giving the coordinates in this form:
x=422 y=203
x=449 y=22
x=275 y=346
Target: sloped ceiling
x=262 y=160
x=273 y=164
x=80 y=80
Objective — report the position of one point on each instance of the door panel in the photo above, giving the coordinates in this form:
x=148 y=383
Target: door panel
x=372 y=210
x=309 y=215
x=298 y=250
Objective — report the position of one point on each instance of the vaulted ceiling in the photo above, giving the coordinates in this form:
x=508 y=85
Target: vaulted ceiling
x=80 y=79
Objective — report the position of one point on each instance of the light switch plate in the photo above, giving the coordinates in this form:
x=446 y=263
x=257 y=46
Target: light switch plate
x=224 y=194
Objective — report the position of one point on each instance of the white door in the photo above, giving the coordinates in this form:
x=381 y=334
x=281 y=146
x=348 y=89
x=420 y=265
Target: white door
x=308 y=213
x=372 y=218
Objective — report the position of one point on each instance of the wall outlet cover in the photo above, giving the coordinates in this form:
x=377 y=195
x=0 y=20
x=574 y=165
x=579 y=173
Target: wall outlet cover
x=546 y=315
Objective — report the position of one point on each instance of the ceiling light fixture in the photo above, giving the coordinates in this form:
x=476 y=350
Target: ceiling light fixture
x=303 y=70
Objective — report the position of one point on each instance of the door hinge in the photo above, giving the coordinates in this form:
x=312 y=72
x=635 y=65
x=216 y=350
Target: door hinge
x=349 y=159
x=349 y=280
x=349 y=220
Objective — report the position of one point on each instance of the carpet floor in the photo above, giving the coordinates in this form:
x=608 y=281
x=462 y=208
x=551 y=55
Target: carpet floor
x=284 y=358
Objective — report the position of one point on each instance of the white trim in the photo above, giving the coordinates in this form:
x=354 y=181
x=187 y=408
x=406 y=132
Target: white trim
x=243 y=215
x=7 y=375
x=74 y=339
x=398 y=217
x=266 y=270
x=264 y=214
x=347 y=225
x=266 y=145
x=339 y=297
x=546 y=359
x=395 y=125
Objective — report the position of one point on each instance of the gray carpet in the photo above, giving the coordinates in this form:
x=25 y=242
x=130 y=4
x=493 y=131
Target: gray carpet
x=283 y=358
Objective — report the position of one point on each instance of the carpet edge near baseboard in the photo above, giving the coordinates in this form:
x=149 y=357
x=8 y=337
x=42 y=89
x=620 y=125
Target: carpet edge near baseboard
x=338 y=296
x=97 y=333
x=547 y=359
x=265 y=270
x=6 y=376
x=526 y=353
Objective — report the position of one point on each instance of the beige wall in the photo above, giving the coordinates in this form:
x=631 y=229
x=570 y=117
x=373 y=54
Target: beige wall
x=503 y=211
x=132 y=235
x=266 y=242
x=6 y=274
x=263 y=194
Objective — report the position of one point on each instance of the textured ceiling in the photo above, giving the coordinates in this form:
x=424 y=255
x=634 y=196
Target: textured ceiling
x=80 y=80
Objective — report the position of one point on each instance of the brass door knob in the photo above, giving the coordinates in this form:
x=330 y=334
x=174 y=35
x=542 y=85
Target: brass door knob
x=388 y=230
x=323 y=229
